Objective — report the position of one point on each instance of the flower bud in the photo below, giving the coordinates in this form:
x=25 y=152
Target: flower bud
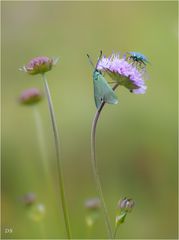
x=39 y=65
x=29 y=198
x=126 y=204
x=30 y=96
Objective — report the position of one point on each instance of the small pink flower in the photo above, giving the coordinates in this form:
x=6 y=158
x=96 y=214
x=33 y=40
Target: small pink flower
x=30 y=96
x=39 y=65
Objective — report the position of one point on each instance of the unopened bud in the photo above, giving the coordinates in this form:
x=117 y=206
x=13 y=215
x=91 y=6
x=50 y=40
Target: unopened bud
x=126 y=204
x=30 y=96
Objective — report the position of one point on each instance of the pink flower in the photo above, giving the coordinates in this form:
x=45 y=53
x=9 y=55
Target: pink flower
x=39 y=65
x=30 y=96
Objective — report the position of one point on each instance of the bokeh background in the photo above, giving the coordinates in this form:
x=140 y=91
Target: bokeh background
x=136 y=140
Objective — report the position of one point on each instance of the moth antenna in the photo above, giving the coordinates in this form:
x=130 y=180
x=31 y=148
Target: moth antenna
x=90 y=61
x=99 y=58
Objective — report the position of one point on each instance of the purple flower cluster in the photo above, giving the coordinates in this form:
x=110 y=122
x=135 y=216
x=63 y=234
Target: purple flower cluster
x=123 y=72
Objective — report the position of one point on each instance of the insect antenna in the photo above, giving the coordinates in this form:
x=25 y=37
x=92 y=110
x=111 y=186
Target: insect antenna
x=99 y=58
x=90 y=61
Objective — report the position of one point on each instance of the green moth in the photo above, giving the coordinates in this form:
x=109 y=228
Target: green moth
x=102 y=90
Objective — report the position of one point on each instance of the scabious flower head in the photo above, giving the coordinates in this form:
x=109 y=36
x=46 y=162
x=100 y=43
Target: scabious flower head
x=123 y=72
x=39 y=65
x=30 y=96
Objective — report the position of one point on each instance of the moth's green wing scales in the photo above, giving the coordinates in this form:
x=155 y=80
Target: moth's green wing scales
x=102 y=90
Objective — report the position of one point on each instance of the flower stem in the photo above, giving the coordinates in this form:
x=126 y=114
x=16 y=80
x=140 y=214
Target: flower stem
x=115 y=232
x=95 y=167
x=57 y=148
x=40 y=137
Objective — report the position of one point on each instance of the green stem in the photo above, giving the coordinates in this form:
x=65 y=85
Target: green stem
x=95 y=167
x=57 y=148
x=40 y=137
x=115 y=232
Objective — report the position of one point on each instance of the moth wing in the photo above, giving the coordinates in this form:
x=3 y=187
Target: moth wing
x=103 y=92
x=98 y=93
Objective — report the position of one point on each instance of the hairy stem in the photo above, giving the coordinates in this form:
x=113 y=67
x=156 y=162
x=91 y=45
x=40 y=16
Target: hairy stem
x=58 y=158
x=95 y=167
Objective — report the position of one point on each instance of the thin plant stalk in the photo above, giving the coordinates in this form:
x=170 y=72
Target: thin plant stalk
x=41 y=137
x=115 y=232
x=58 y=158
x=95 y=167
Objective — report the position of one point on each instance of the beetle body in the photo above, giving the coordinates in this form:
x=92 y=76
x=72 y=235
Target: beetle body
x=138 y=58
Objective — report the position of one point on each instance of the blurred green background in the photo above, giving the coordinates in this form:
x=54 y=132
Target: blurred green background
x=136 y=140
